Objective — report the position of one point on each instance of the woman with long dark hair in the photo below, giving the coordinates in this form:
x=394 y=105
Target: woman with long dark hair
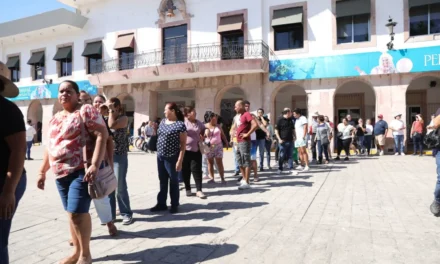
x=64 y=156
x=171 y=147
x=118 y=122
x=192 y=161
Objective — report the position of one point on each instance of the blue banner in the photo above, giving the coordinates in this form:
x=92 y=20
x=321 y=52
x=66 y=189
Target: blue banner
x=48 y=91
x=349 y=65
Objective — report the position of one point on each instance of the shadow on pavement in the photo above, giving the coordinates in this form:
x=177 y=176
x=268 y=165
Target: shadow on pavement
x=172 y=232
x=188 y=254
x=219 y=206
x=183 y=217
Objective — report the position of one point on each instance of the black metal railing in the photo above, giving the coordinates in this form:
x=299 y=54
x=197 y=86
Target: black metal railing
x=188 y=54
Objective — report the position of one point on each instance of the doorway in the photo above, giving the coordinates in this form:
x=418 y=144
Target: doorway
x=354 y=112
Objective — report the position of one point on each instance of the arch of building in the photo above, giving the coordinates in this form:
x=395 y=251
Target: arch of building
x=35 y=114
x=356 y=98
x=289 y=95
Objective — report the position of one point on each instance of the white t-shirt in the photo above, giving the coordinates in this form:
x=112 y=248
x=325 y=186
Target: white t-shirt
x=397 y=124
x=30 y=132
x=345 y=130
x=369 y=130
x=299 y=127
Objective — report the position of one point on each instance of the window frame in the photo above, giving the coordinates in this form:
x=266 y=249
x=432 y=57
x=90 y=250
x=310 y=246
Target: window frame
x=240 y=49
x=176 y=59
x=86 y=59
x=352 y=30
x=305 y=23
x=275 y=29
x=355 y=45
x=428 y=21
x=15 y=69
x=59 y=63
x=406 y=29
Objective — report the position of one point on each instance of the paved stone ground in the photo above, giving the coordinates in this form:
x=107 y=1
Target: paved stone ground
x=368 y=210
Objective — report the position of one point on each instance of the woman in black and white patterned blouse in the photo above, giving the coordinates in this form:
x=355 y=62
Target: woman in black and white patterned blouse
x=171 y=145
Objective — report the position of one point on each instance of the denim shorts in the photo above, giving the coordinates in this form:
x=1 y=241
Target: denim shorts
x=74 y=192
x=254 y=147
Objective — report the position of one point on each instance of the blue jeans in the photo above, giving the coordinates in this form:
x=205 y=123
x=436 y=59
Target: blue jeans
x=398 y=144
x=360 y=143
x=261 y=144
x=234 y=147
x=28 y=149
x=418 y=143
x=285 y=154
x=437 y=186
x=322 y=148
x=121 y=192
x=5 y=225
x=166 y=167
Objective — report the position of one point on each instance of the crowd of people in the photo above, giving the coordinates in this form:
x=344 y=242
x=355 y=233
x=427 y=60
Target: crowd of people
x=184 y=146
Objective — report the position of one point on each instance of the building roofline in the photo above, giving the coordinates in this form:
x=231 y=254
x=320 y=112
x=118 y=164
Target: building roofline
x=48 y=19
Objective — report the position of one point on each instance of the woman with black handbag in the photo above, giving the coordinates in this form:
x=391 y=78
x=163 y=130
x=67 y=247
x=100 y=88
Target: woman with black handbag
x=64 y=155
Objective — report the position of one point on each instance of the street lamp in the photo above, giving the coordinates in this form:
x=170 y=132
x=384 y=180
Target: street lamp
x=390 y=25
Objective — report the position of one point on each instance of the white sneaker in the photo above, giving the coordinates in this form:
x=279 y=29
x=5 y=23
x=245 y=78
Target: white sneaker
x=280 y=172
x=396 y=154
x=244 y=186
x=381 y=153
x=306 y=169
x=294 y=173
x=403 y=154
x=299 y=167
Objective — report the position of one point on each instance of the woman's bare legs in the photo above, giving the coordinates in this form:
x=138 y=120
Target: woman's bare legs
x=221 y=169
x=72 y=259
x=254 y=168
x=82 y=229
x=211 y=168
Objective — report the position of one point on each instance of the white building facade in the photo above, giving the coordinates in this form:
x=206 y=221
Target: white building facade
x=329 y=56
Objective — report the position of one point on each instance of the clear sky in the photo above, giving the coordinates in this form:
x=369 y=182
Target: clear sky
x=15 y=9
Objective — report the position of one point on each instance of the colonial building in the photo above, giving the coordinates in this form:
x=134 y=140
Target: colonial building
x=337 y=57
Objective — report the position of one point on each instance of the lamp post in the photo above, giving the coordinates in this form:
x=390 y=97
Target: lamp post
x=390 y=25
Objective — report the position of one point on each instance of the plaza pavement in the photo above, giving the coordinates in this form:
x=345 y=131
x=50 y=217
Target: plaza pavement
x=368 y=210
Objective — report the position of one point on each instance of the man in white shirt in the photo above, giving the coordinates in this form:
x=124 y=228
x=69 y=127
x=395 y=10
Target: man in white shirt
x=30 y=133
x=301 y=128
x=398 y=128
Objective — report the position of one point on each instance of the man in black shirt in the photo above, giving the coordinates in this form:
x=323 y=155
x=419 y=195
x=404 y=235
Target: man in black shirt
x=12 y=155
x=284 y=134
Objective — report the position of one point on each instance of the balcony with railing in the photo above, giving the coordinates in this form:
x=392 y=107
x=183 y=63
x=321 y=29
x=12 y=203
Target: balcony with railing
x=182 y=62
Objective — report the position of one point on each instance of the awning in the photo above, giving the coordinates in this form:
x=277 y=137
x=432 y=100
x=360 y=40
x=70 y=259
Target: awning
x=63 y=54
x=230 y=23
x=13 y=62
x=413 y=3
x=352 y=7
x=124 y=42
x=287 y=16
x=93 y=49
x=36 y=58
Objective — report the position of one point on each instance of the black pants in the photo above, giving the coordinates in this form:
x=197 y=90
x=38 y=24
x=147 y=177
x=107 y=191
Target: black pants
x=418 y=143
x=344 y=145
x=367 y=143
x=192 y=162
x=313 y=146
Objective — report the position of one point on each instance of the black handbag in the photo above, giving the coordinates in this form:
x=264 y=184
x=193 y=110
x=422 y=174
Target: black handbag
x=152 y=143
x=432 y=140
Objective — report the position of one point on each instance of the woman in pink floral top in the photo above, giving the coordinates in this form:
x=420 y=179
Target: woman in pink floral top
x=64 y=157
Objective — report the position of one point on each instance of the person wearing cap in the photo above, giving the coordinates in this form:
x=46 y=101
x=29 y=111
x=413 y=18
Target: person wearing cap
x=435 y=206
x=380 y=133
x=417 y=134
x=313 y=129
x=12 y=172
x=398 y=127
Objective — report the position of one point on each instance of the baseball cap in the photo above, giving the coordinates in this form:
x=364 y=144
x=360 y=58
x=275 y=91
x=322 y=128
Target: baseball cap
x=380 y=116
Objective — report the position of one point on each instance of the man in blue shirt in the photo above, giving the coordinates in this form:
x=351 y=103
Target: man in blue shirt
x=380 y=133
x=435 y=206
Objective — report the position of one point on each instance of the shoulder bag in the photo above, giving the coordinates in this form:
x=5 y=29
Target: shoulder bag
x=432 y=139
x=205 y=147
x=105 y=180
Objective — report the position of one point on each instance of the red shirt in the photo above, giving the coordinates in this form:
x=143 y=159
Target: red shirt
x=244 y=126
x=418 y=127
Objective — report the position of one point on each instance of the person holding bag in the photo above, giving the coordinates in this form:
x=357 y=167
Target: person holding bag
x=64 y=156
x=118 y=123
x=192 y=161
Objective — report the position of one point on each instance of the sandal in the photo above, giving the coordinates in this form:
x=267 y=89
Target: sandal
x=211 y=181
